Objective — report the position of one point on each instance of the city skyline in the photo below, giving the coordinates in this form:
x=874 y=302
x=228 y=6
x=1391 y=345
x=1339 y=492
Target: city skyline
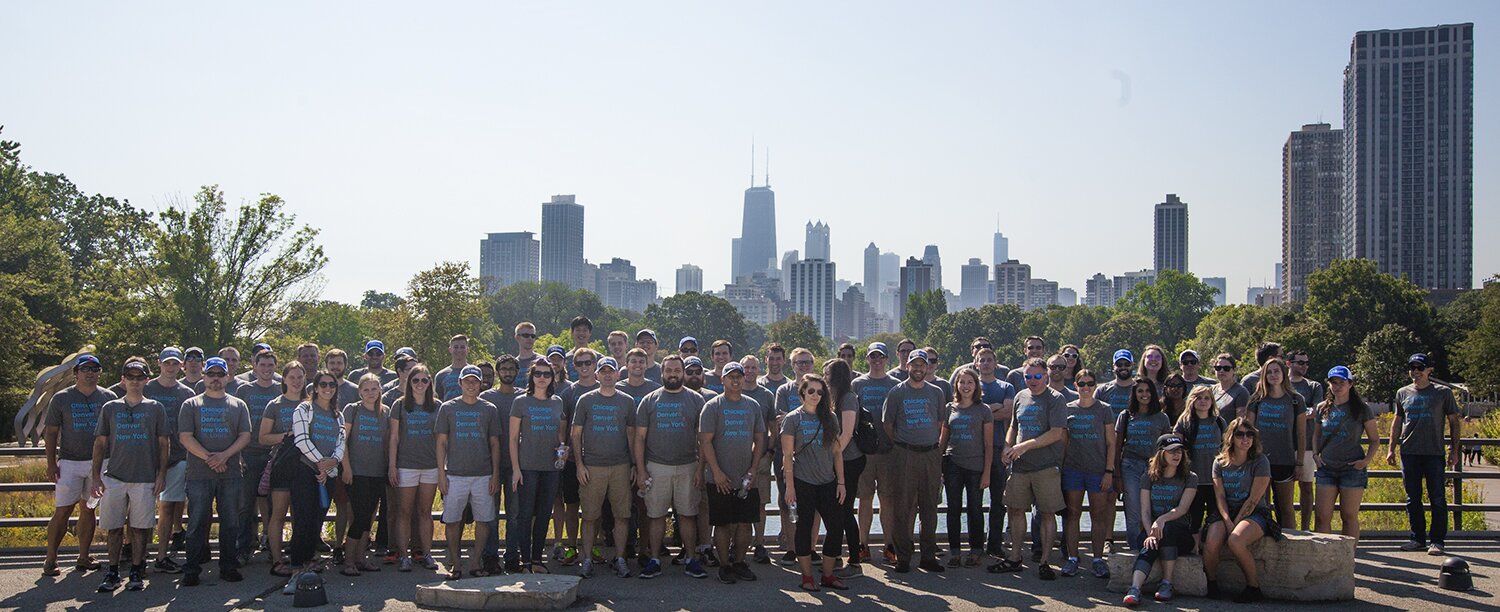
x=1140 y=101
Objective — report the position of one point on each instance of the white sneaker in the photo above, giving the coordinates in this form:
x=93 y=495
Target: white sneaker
x=1435 y=550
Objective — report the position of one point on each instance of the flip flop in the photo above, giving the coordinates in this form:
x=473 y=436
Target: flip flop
x=280 y=569
x=86 y=565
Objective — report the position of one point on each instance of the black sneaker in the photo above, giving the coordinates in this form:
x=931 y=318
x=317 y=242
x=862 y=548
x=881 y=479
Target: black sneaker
x=189 y=580
x=492 y=565
x=512 y=566
x=136 y=581
x=790 y=558
x=932 y=565
x=166 y=565
x=111 y=582
x=1249 y=595
x=762 y=556
x=726 y=575
x=711 y=557
x=903 y=566
x=231 y=575
x=742 y=571
x=1045 y=572
x=179 y=541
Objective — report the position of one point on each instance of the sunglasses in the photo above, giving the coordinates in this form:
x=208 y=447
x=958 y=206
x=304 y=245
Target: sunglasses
x=1410 y=366
x=527 y=336
x=1219 y=368
x=1176 y=386
x=90 y=369
x=214 y=375
x=1070 y=355
x=541 y=374
x=1244 y=435
x=813 y=391
x=1035 y=376
x=582 y=364
x=420 y=381
x=1085 y=383
x=137 y=377
x=1057 y=367
x=1188 y=362
x=327 y=385
x=1034 y=347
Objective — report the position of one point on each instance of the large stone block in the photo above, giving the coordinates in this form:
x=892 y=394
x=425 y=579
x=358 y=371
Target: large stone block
x=1304 y=566
x=518 y=592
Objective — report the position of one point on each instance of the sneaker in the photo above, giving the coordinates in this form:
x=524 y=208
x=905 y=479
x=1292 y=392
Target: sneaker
x=849 y=571
x=231 y=575
x=710 y=556
x=863 y=556
x=1101 y=568
x=762 y=556
x=1412 y=546
x=695 y=568
x=1133 y=596
x=492 y=566
x=790 y=558
x=586 y=569
x=1435 y=550
x=817 y=557
x=742 y=571
x=404 y=565
x=569 y=556
x=597 y=555
x=622 y=569
x=179 y=541
x=726 y=575
x=291 y=585
x=652 y=569
x=136 y=581
x=902 y=567
x=1045 y=572
x=1164 y=592
x=512 y=566
x=189 y=580
x=1070 y=567
x=265 y=542
x=931 y=565
x=166 y=565
x=1249 y=595
x=390 y=558
x=557 y=552
x=111 y=582
x=429 y=562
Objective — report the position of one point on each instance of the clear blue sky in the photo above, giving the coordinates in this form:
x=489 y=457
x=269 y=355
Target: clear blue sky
x=422 y=127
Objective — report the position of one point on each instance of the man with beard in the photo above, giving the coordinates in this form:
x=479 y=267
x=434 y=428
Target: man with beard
x=666 y=459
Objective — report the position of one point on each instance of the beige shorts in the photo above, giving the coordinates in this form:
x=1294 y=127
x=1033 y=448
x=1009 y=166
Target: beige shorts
x=127 y=502
x=763 y=479
x=409 y=477
x=609 y=483
x=72 y=481
x=471 y=491
x=671 y=487
x=1306 y=467
x=1042 y=488
x=869 y=480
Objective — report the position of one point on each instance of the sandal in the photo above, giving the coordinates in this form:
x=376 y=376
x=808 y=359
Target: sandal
x=971 y=559
x=833 y=582
x=51 y=570
x=1005 y=565
x=349 y=570
x=808 y=584
x=281 y=569
x=87 y=565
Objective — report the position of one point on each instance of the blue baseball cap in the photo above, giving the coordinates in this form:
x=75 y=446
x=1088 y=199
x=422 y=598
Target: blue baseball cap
x=686 y=339
x=733 y=366
x=259 y=346
x=1124 y=354
x=917 y=354
x=216 y=362
x=877 y=347
x=556 y=349
x=86 y=359
x=1339 y=372
x=691 y=361
x=470 y=370
x=375 y=345
x=170 y=352
x=607 y=362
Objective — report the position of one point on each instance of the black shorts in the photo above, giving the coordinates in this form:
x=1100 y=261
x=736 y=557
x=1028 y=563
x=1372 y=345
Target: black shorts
x=730 y=509
x=569 y=487
x=1283 y=473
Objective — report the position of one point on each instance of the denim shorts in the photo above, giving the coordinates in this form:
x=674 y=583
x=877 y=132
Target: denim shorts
x=1348 y=478
x=1077 y=480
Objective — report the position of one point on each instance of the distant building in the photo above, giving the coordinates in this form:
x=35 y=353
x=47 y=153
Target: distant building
x=1172 y=234
x=1312 y=187
x=916 y=277
x=757 y=246
x=812 y=283
x=758 y=298
x=1013 y=283
x=508 y=258
x=1002 y=247
x=787 y=259
x=619 y=288
x=872 y=270
x=818 y=245
x=854 y=318
x=1257 y=296
x=1127 y=281
x=689 y=279
x=975 y=290
x=562 y=242
x=930 y=257
x=1041 y=293
x=1099 y=290
x=1221 y=285
x=1067 y=297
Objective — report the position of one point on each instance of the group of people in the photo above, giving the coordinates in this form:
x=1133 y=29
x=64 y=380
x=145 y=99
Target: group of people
x=602 y=449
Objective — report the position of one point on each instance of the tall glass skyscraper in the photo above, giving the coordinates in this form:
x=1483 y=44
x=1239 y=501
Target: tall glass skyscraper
x=562 y=242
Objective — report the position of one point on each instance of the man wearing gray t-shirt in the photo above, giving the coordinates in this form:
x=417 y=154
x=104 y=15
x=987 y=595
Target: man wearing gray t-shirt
x=913 y=413
x=1034 y=447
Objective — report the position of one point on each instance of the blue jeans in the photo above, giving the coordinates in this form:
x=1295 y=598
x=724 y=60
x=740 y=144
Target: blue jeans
x=507 y=497
x=1417 y=470
x=1132 y=472
x=255 y=463
x=532 y=512
x=201 y=496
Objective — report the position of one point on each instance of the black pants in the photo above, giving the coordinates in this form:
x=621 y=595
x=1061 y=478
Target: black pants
x=1176 y=538
x=308 y=512
x=364 y=495
x=822 y=500
x=959 y=483
x=1203 y=503
x=383 y=524
x=852 y=470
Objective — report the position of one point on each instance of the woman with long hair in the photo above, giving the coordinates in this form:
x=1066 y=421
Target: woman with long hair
x=411 y=466
x=1166 y=494
x=1242 y=476
x=537 y=429
x=1088 y=469
x=1277 y=411
x=968 y=439
x=1153 y=364
x=275 y=431
x=318 y=435
x=1073 y=354
x=1204 y=432
x=1343 y=467
x=1229 y=395
x=1174 y=396
x=1136 y=431
x=365 y=470
x=840 y=376
x=810 y=439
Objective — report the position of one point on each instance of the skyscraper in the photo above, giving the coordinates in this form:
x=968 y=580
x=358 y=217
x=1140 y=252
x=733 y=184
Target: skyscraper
x=618 y=287
x=1041 y=293
x=562 y=242
x=817 y=246
x=872 y=271
x=1013 y=283
x=916 y=277
x=1002 y=247
x=930 y=257
x=1172 y=234
x=1221 y=285
x=1067 y=297
x=812 y=283
x=785 y=274
x=975 y=290
x=1099 y=290
x=689 y=279
x=1312 y=184
x=507 y=258
x=1408 y=197
x=757 y=252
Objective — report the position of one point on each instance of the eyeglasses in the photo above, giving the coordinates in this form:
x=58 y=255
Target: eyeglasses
x=802 y=362
x=136 y=377
x=583 y=364
x=420 y=381
x=1244 y=435
x=1057 y=367
x=541 y=374
x=1188 y=362
x=1220 y=368
x=1084 y=383
x=1035 y=376
x=90 y=369
x=1034 y=347
x=527 y=336
x=214 y=375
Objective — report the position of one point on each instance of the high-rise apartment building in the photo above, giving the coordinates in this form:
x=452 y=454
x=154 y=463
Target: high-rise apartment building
x=1013 y=283
x=1172 y=234
x=812 y=291
x=562 y=241
x=817 y=246
x=1312 y=186
x=507 y=258
x=689 y=279
x=974 y=291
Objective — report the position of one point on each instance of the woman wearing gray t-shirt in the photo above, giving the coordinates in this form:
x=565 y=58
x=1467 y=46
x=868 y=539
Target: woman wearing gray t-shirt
x=364 y=470
x=968 y=439
x=811 y=462
x=1343 y=466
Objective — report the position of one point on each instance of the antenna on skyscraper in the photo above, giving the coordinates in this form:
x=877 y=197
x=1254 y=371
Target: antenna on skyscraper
x=768 y=166
x=752 y=161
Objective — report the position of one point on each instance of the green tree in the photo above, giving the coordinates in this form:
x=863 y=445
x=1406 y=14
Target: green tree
x=700 y=315
x=798 y=330
x=951 y=333
x=34 y=278
x=1058 y=325
x=379 y=300
x=551 y=307
x=921 y=309
x=1320 y=343
x=1479 y=350
x=1237 y=329
x=445 y=301
x=1177 y=300
x=1127 y=330
x=1380 y=362
x=328 y=323
x=230 y=276
x=1353 y=299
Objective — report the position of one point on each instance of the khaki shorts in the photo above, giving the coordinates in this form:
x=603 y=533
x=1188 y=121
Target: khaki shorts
x=410 y=477
x=671 y=487
x=132 y=502
x=1042 y=488
x=1306 y=468
x=870 y=479
x=73 y=481
x=609 y=483
x=763 y=478
x=471 y=491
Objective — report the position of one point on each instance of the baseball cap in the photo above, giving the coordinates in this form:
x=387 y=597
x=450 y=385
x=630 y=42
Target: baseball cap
x=1187 y=353
x=170 y=352
x=86 y=359
x=1124 y=354
x=375 y=345
x=471 y=371
x=138 y=366
x=215 y=362
x=259 y=346
x=916 y=354
x=408 y=351
x=733 y=366
x=193 y=352
x=556 y=349
x=691 y=361
x=686 y=339
x=1339 y=372
x=1169 y=442
x=1420 y=359
x=606 y=362
x=645 y=332
x=877 y=347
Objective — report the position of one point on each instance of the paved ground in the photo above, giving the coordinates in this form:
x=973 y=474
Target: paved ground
x=1388 y=580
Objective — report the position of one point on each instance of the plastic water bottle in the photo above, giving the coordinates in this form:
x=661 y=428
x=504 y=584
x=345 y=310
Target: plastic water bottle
x=745 y=487
x=93 y=501
x=645 y=487
x=562 y=457
x=323 y=496
x=793 y=508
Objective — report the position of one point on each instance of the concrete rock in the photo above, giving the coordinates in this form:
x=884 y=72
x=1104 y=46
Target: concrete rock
x=1304 y=566
x=518 y=592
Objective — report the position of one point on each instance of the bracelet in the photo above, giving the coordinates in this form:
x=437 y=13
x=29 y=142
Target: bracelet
x=1110 y=471
x=841 y=484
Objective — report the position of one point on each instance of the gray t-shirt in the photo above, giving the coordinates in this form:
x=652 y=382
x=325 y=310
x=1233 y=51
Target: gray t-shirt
x=653 y=372
x=772 y=384
x=871 y=393
x=365 y=446
x=215 y=424
x=1205 y=445
x=850 y=404
x=279 y=413
x=1422 y=412
x=417 y=447
x=1238 y=479
x=1067 y=394
x=812 y=461
x=469 y=429
x=134 y=434
x=387 y=375
x=570 y=395
x=735 y=426
x=637 y=392
x=714 y=381
x=171 y=399
x=606 y=421
x=1250 y=382
x=787 y=398
x=767 y=402
x=502 y=401
x=1276 y=417
x=76 y=417
x=256 y=398
x=1232 y=401
x=671 y=424
x=1115 y=394
x=540 y=423
x=1141 y=432
x=1166 y=494
x=945 y=386
x=1312 y=393
x=897 y=373
x=445 y=382
x=1088 y=437
x=1037 y=414
x=915 y=415
x=996 y=392
x=1342 y=433
x=966 y=435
